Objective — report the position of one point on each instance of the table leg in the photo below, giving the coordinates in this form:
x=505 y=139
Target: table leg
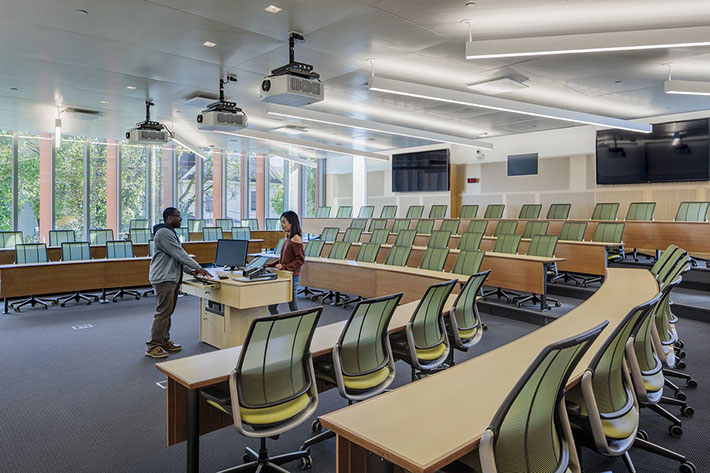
x=351 y=458
x=193 y=431
x=543 y=296
x=7 y=308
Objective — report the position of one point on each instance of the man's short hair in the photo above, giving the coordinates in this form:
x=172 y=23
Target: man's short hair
x=168 y=212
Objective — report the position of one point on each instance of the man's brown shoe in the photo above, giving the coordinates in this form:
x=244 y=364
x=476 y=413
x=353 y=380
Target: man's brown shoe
x=156 y=352
x=172 y=346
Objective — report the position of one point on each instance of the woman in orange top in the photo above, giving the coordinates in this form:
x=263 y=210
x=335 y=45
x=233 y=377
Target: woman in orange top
x=292 y=255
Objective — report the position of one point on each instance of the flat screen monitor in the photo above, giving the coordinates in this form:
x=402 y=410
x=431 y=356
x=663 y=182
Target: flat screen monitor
x=231 y=253
x=522 y=164
x=425 y=171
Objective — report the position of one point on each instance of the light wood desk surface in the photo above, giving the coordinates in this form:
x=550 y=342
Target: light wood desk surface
x=461 y=401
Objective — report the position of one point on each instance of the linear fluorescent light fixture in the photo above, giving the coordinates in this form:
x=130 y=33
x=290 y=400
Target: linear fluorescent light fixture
x=589 y=42
x=330 y=119
x=438 y=94
x=686 y=87
x=300 y=161
x=189 y=146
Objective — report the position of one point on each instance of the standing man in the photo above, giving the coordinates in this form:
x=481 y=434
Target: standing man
x=166 y=268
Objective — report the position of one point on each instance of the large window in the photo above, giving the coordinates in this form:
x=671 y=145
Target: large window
x=5 y=180
x=69 y=185
x=310 y=189
x=186 y=182
x=134 y=164
x=277 y=166
x=251 y=204
x=157 y=185
x=28 y=186
x=97 y=182
x=234 y=186
x=294 y=190
x=207 y=187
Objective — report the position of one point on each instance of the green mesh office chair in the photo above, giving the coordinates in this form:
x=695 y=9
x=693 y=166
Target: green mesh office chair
x=494 y=211
x=450 y=225
x=100 y=236
x=57 y=237
x=252 y=223
x=401 y=224
x=338 y=251
x=640 y=211
x=405 y=238
x=279 y=246
x=434 y=259
x=344 y=211
x=605 y=211
x=692 y=212
x=29 y=253
x=608 y=232
x=361 y=364
x=438 y=211
x=366 y=211
x=535 y=228
x=183 y=234
x=212 y=233
x=505 y=244
x=558 y=211
x=9 y=239
x=314 y=249
x=114 y=250
x=477 y=226
x=415 y=211
x=398 y=255
x=439 y=239
x=424 y=345
x=377 y=224
x=464 y=326
x=241 y=233
x=139 y=223
x=506 y=227
x=470 y=241
x=367 y=253
x=388 y=211
x=424 y=226
x=195 y=225
x=468 y=211
x=76 y=251
x=468 y=262
x=380 y=236
x=330 y=234
x=571 y=231
x=530 y=211
x=273 y=224
x=352 y=235
x=360 y=223
x=530 y=432
x=273 y=387
x=139 y=235
x=226 y=224
x=542 y=245
x=323 y=212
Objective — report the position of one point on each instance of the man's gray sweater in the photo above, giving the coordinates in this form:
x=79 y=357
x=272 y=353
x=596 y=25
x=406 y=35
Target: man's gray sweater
x=169 y=259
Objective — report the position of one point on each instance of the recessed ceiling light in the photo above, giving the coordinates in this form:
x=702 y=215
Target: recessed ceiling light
x=82 y=12
x=104 y=101
x=131 y=87
x=484 y=133
x=13 y=88
x=272 y=9
x=618 y=81
x=209 y=44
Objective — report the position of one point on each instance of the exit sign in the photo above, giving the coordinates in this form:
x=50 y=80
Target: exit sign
x=473 y=180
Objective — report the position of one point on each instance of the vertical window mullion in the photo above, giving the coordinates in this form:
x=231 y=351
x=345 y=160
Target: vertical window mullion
x=87 y=186
x=15 y=181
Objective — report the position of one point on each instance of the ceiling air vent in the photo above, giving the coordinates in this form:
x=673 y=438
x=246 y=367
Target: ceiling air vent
x=81 y=113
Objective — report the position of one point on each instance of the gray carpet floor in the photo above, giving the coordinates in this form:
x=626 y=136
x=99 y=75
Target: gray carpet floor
x=87 y=400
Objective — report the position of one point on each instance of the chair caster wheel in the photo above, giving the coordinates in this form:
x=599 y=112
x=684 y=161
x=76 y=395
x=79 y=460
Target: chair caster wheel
x=687 y=411
x=316 y=427
x=642 y=434
x=681 y=354
x=680 y=395
x=675 y=430
x=681 y=365
x=55 y=302
x=306 y=463
x=691 y=383
x=246 y=458
x=687 y=467
x=62 y=304
x=88 y=303
x=680 y=344
x=44 y=307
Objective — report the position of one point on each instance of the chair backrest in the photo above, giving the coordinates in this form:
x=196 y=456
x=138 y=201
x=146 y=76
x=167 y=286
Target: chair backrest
x=470 y=241
x=605 y=211
x=339 y=250
x=477 y=226
x=367 y=253
x=438 y=211
x=506 y=227
x=450 y=225
x=415 y=211
x=344 y=211
x=314 y=248
x=26 y=253
x=273 y=224
x=668 y=256
x=57 y=237
x=380 y=236
x=252 y=223
x=100 y=236
x=398 y=255
x=360 y=223
x=641 y=211
x=526 y=434
x=573 y=231
x=119 y=249
x=226 y=224
x=692 y=212
x=323 y=212
x=465 y=314
x=195 y=225
x=424 y=226
x=140 y=235
x=530 y=211
x=507 y=244
x=643 y=345
x=76 y=251
x=139 y=223
x=494 y=211
x=151 y=247
x=535 y=228
x=352 y=235
x=377 y=224
x=405 y=238
x=211 y=233
x=241 y=233
x=183 y=234
x=439 y=239
x=330 y=234
x=434 y=259
x=9 y=239
x=468 y=211
x=542 y=245
x=609 y=232
x=279 y=245
x=388 y=211
x=468 y=262
x=366 y=211
x=558 y=211
x=401 y=224
x=426 y=324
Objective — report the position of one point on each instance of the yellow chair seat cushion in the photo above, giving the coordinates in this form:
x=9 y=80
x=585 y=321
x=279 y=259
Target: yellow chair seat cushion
x=653 y=382
x=361 y=383
x=275 y=414
x=467 y=334
x=431 y=353
x=622 y=427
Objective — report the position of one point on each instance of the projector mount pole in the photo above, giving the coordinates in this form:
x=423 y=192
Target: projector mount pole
x=148 y=104
x=293 y=36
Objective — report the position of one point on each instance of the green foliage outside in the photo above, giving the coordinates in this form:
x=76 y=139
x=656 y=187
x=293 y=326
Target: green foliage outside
x=5 y=180
x=133 y=184
x=69 y=186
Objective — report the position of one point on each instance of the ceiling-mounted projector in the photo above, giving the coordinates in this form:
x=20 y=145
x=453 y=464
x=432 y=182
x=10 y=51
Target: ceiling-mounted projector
x=149 y=132
x=295 y=83
x=222 y=115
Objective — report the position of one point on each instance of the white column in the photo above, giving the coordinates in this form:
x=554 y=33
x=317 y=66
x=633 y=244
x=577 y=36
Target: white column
x=359 y=183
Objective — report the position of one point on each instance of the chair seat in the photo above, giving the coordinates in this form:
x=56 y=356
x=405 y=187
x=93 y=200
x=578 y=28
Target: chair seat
x=468 y=334
x=653 y=382
x=362 y=383
x=433 y=353
x=258 y=416
x=622 y=427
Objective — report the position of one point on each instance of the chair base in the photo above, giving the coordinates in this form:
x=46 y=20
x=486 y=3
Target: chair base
x=116 y=294
x=307 y=291
x=642 y=444
x=149 y=291
x=32 y=301
x=78 y=296
x=509 y=296
x=536 y=300
x=566 y=277
x=260 y=462
x=350 y=300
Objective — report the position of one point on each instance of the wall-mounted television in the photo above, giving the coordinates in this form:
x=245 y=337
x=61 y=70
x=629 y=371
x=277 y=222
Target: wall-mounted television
x=522 y=164
x=425 y=171
x=673 y=152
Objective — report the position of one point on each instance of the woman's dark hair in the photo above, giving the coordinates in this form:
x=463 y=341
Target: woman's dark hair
x=292 y=218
